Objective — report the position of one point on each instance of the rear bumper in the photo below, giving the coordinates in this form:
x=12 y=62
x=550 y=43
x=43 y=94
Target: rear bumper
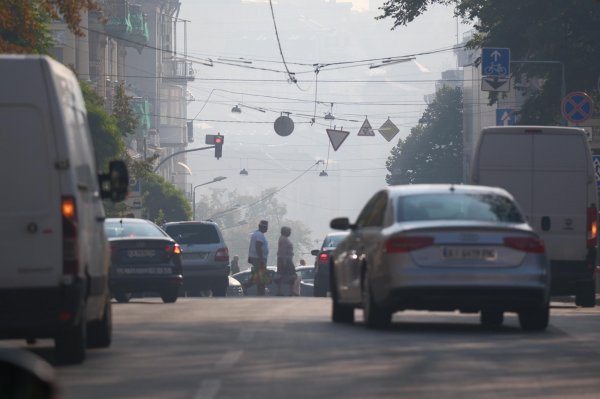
x=40 y=312
x=145 y=283
x=205 y=277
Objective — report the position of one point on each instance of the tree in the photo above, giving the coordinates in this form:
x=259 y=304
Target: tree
x=240 y=217
x=24 y=24
x=127 y=121
x=433 y=151
x=534 y=30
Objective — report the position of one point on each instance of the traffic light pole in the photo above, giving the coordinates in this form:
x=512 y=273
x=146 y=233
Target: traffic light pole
x=181 y=152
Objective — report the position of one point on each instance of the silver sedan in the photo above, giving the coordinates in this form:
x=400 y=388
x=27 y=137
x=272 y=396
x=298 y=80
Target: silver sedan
x=440 y=248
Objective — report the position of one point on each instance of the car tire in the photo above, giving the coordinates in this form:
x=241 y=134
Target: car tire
x=375 y=316
x=170 y=295
x=70 y=344
x=535 y=319
x=491 y=318
x=339 y=313
x=220 y=288
x=99 y=332
x=122 y=297
x=586 y=294
x=320 y=289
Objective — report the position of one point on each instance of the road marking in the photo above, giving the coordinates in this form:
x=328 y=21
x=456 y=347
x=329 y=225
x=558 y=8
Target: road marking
x=229 y=359
x=208 y=389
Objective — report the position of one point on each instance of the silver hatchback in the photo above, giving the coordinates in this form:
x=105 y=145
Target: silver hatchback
x=440 y=248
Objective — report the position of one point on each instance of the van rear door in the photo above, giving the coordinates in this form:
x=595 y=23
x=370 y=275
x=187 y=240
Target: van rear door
x=505 y=159
x=560 y=192
x=30 y=223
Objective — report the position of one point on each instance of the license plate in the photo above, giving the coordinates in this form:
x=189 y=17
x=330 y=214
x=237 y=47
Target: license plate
x=469 y=253
x=197 y=255
x=144 y=270
x=141 y=253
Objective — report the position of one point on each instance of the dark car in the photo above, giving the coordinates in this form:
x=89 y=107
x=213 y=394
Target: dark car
x=205 y=256
x=321 y=279
x=144 y=259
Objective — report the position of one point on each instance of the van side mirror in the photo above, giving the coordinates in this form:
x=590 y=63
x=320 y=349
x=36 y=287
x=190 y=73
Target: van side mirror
x=115 y=183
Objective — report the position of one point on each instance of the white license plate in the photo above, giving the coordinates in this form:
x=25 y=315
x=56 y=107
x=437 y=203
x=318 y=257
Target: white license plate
x=144 y=270
x=469 y=253
x=197 y=255
x=141 y=253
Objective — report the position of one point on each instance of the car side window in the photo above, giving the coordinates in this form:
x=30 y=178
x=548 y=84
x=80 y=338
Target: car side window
x=373 y=213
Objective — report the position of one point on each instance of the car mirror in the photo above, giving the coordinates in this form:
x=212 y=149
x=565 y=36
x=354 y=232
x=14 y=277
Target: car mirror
x=24 y=375
x=340 y=224
x=314 y=252
x=114 y=184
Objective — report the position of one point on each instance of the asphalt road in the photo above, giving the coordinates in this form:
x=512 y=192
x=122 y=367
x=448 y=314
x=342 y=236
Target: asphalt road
x=204 y=348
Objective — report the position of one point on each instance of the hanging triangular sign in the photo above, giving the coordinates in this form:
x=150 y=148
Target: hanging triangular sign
x=366 y=129
x=388 y=130
x=337 y=137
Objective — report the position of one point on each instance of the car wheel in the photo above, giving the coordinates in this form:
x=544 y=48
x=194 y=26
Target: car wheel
x=492 y=318
x=123 y=297
x=170 y=295
x=70 y=344
x=99 y=334
x=535 y=319
x=339 y=313
x=586 y=294
x=220 y=288
x=374 y=315
x=320 y=289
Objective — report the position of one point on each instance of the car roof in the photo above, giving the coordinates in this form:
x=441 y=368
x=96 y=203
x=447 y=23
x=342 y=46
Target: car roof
x=127 y=220
x=410 y=189
x=190 y=222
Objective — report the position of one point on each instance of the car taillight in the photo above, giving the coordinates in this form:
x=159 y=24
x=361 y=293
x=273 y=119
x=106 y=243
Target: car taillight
x=407 y=243
x=173 y=249
x=222 y=255
x=69 y=231
x=592 y=226
x=525 y=244
x=323 y=257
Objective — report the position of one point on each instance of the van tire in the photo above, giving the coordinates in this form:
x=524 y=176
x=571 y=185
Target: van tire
x=170 y=295
x=122 y=297
x=70 y=344
x=535 y=318
x=99 y=334
x=586 y=294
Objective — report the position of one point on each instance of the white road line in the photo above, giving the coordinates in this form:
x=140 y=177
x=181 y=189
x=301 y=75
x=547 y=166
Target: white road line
x=208 y=389
x=229 y=359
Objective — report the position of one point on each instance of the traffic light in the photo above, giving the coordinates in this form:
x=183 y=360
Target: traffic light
x=217 y=140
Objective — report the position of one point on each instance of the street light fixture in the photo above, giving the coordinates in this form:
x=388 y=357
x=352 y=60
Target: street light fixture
x=216 y=179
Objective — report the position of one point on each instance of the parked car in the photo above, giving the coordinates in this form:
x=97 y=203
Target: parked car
x=144 y=260
x=234 y=288
x=53 y=248
x=243 y=277
x=440 y=248
x=321 y=279
x=306 y=273
x=205 y=256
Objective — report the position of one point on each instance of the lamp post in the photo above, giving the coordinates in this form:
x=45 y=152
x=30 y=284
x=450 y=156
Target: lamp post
x=216 y=179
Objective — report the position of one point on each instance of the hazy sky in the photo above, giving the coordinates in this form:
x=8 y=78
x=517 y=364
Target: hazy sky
x=242 y=34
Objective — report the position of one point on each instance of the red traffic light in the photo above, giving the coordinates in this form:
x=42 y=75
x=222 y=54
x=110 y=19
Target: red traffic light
x=218 y=140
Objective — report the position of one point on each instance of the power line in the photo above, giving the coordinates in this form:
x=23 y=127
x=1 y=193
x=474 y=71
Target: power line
x=290 y=74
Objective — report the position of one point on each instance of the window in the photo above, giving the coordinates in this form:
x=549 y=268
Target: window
x=194 y=233
x=373 y=213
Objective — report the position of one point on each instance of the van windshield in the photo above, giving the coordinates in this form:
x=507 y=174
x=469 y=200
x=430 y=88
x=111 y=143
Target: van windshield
x=458 y=206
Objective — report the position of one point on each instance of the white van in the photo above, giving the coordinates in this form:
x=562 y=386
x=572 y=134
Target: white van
x=54 y=256
x=549 y=171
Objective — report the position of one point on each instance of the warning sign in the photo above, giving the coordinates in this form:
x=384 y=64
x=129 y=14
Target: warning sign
x=337 y=137
x=388 y=130
x=366 y=129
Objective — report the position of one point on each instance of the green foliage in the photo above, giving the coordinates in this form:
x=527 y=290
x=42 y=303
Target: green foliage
x=163 y=201
x=127 y=121
x=433 y=151
x=238 y=216
x=534 y=30
x=108 y=142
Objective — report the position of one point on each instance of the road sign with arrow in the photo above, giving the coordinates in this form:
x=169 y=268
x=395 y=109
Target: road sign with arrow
x=491 y=83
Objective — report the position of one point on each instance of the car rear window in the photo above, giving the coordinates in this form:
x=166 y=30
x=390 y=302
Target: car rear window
x=194 y=233
x=125 y=229
x=458 y=206
x=332 y=241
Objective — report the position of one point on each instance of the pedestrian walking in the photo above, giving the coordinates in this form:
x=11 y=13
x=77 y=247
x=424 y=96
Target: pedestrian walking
x=286 y=272
x=257 y=257
x=234 y=266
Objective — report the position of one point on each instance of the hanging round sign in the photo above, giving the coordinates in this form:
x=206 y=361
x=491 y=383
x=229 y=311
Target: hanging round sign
x=284 y=125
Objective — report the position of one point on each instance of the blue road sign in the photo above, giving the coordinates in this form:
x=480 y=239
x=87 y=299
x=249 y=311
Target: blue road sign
x=577 y=107
x=495 y=61
x=505 y=117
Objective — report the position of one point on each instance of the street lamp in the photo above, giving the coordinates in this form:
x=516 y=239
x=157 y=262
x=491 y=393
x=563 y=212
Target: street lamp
x=216 y=179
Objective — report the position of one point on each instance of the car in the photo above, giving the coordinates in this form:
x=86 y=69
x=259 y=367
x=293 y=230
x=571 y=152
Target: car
x=270 y=289
x=234 y=288
x=440 y=248
x=306 y=273
x=321 y=279
x=144 y=259
x=205 y=256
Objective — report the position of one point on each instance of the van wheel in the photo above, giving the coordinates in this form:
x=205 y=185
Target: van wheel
x=492 y=318
x=535 y=319
x=375 y=315
x=123 y=297
x=586 y=294
x=100 y=331
x=169 y=295
x=70 y=344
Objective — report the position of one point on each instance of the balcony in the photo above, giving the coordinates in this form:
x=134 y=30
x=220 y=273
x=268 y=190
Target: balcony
x=178 y=70
x=138 y=36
